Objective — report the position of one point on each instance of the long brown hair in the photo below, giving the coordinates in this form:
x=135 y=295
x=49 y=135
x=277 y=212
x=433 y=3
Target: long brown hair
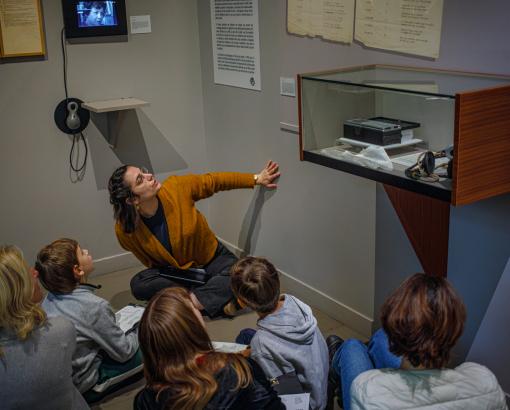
x=423 y=319
x=18 y=312
x=171 y=338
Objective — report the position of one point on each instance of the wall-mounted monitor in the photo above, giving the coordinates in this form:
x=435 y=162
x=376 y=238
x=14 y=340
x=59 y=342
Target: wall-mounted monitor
x=94 y=18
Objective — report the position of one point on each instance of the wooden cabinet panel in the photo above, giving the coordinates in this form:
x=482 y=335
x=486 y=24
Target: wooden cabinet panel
x=426 y=222
x=482 y=145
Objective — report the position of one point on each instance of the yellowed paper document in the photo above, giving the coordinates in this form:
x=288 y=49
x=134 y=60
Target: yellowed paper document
x=406 y=26
x=20 y=27
x=329 y=19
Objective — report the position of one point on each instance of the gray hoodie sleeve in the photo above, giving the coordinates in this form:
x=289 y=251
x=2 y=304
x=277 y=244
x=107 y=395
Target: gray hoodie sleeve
x=271 y=365
x=109 y=336
x=268 y=365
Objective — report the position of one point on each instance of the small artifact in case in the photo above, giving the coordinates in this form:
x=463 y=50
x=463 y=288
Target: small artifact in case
x=377 y=130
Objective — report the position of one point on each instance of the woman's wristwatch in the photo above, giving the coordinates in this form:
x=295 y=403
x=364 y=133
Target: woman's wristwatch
x=255 y=178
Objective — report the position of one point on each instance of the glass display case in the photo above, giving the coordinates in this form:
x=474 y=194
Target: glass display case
x=440 y=133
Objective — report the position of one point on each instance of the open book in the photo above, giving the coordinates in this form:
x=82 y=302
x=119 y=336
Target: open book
x=128 y=317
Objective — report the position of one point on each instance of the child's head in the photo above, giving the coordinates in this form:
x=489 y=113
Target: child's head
x=178 y=354
x=62 y=265
x=423 y=319
x=255 y=283
x=171 y=332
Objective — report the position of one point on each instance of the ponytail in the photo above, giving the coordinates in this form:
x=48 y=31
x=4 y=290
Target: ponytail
x=124 y=211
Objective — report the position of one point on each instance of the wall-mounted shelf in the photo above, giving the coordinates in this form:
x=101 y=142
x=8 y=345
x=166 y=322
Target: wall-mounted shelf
x=114 y=105
x=114 y=113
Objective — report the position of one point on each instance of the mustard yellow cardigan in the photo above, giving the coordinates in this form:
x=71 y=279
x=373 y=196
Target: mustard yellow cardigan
x=193 y=243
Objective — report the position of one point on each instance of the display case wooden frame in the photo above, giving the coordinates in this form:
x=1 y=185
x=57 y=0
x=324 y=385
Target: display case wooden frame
x=481 y=142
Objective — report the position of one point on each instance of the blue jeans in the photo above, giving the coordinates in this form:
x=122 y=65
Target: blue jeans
x=244 y=337
x=354 y=357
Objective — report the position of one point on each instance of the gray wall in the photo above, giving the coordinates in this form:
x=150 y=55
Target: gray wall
x=319 y=225
x=40 y=203
x=479 y=250
x=491 y=343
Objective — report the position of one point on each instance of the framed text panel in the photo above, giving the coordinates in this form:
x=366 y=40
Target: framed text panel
x=21 y=28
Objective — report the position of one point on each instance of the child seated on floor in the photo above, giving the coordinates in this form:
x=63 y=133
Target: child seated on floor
x=103 y=351
x=404 y=365
x=287 y=338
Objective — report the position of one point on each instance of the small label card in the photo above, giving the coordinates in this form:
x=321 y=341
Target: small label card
x=140 y=24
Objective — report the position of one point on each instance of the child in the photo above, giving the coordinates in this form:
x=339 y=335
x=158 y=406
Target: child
x=184 y=372
x=103 y=350
x=287 y=338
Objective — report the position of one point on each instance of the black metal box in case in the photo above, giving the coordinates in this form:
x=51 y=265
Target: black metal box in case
x=377 y=130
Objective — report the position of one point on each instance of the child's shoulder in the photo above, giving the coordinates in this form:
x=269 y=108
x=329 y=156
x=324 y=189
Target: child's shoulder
x=82 y=295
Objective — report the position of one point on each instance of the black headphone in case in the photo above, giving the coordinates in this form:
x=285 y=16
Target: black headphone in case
x=425 y=167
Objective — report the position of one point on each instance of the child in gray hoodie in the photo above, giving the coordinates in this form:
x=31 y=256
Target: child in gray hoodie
x=287 y=338
x=103 y=350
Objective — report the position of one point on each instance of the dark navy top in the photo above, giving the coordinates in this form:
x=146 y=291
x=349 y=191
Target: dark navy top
x=157 y=224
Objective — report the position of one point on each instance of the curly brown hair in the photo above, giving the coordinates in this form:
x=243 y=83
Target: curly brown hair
x=423 y=319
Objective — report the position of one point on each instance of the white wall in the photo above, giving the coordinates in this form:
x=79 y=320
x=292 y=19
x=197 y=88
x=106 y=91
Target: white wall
x=319 y=226
x=39 y=202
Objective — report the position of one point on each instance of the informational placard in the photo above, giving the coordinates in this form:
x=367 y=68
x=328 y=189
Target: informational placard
x=235 y=38
x=406 y=26
x=329 y=19
x=140 y=24
x=21 y=32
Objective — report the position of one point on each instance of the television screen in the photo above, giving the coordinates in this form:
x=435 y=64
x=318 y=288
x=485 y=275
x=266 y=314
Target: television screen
x=94 y=18
x=96 y=13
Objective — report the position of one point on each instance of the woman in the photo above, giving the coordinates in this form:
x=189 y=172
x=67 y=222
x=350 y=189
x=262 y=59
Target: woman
x=35 y=352
x=159 y=224
x=182 y=369
x=404 y=365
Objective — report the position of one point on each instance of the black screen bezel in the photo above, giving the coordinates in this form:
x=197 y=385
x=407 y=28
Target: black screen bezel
x=74 y=31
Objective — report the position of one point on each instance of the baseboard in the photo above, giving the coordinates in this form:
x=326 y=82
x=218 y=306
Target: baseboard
x=316 y=298
x=114 y=263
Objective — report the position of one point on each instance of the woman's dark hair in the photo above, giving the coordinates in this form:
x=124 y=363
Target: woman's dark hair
x=55 y=263
x=124 y=212
x=255 y=281
x=423 y=319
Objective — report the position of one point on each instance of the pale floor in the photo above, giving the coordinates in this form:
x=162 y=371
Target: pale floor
x=115 y=288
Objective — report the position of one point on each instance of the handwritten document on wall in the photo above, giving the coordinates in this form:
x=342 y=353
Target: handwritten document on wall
x=406 y=26
x=235 y=38
x=329 y=19
x=21 y=31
